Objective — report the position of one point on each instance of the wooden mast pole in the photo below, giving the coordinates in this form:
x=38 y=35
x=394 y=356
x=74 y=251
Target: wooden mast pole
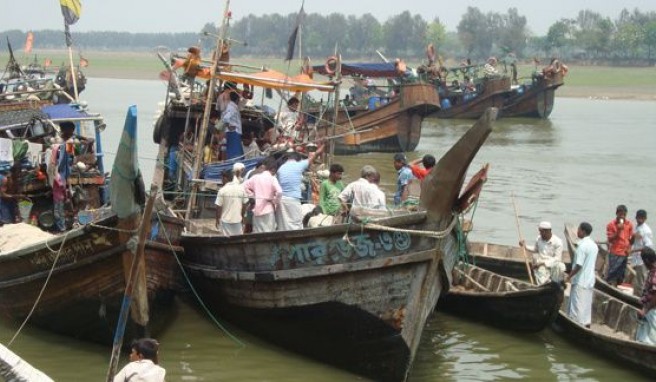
x=144 y=228
x=206 y=115
x=338 y=82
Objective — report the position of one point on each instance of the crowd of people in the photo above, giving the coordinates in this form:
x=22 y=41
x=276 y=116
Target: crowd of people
x=630 y=252
x=271 y=197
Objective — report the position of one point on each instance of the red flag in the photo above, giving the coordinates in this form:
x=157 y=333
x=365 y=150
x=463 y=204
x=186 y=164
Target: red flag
x=28 y=42
x=165 y=75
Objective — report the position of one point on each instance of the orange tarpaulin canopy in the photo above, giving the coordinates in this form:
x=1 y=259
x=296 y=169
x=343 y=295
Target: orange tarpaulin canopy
x=276 y=80
x=267 y=79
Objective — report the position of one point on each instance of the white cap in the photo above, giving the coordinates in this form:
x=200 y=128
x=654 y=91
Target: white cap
x=544 y=225
x=238 y=167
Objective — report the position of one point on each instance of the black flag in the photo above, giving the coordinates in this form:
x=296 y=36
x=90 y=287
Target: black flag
x=292 y=38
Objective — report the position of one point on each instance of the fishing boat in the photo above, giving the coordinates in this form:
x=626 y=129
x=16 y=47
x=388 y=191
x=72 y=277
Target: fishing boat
x=509 y=261
x=612 y=332
x=72 y=282
x=625 y=295
x=353 y=295
x=470 y=104
x=500 y=301
x=536 y=98
x=33 y=83
x=375 y=117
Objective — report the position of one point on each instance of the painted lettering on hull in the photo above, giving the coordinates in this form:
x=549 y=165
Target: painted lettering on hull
x=339 y=250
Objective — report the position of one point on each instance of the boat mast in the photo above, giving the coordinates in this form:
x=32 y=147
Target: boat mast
x=206 y=114
x=338 y=82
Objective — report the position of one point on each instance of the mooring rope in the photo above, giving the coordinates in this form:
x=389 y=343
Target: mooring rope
x=193 y=290
x=434 y=234
x=43 y=288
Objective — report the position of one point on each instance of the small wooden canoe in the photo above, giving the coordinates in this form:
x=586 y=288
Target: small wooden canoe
x=612 y=332
x=501 y=301
x=509 y=261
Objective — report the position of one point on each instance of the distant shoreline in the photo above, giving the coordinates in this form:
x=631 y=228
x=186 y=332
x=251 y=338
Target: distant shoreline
x=636 y=93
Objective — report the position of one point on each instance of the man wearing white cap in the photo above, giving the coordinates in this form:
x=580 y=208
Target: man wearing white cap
x=547 y=255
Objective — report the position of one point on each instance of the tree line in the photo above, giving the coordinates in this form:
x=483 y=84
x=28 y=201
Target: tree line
x=628 y=39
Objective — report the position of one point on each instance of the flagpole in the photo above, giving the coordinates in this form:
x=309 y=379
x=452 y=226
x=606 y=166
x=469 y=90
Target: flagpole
x=73 y=74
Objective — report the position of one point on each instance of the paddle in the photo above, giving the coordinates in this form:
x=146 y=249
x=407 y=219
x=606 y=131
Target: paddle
x=519 y=232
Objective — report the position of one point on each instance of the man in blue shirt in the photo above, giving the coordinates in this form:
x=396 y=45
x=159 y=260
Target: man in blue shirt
x=582 y=277
x=404 y=177
x=290 y=176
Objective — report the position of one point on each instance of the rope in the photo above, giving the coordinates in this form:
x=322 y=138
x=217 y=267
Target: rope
x=43 y=288
x=113 y=229
x=193 y=290
x=435 y=234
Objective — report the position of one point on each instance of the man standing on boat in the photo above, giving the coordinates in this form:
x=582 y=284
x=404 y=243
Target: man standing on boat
x=360 y=194
x=289 y=215
x=642 y=238
x=231 y=119
x=547 y=255
x=230 y=205
x=266 y=191
x=582 y=277
x=619 y=232
x=290 y=121
x=404 y=177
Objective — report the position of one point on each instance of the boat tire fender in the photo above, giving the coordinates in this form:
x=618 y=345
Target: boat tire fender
x=331 y=65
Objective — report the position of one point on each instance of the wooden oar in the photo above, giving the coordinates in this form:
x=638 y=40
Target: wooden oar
x=519 y=232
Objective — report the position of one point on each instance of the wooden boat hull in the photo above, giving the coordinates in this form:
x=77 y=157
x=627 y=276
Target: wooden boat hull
x=535 y=100
x=85 y=290
x=391 y=127
x=507 y=303
x=493 y=95
x=306 y=289
x=612 y=333
x=358 y=308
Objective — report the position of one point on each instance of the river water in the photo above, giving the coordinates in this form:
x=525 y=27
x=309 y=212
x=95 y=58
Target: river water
x=577 y=166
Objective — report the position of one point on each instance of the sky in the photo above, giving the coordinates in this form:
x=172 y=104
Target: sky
x=191 y=15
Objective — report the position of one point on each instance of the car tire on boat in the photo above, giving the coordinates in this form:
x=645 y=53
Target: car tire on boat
x=162 y=127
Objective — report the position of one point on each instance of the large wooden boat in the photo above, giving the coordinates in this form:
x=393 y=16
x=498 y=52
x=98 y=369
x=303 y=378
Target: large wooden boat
x=382 y=122
x=73 y=282
x=612 y=332
x=353 y=295
x=534 y=99
x=490 y=92
x=501 y=301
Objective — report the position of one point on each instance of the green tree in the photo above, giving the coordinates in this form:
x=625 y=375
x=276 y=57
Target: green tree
x=475 y=34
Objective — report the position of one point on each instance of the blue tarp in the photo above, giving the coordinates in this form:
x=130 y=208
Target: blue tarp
x=387 y=70
x=213 y=171
x=64 y=111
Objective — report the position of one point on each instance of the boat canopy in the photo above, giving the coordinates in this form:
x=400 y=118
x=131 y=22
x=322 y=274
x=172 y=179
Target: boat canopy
x=68 y=112
x=384 y=69
x=276 y=80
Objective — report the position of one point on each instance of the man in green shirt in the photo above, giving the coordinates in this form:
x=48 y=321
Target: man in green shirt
x=330 y=189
